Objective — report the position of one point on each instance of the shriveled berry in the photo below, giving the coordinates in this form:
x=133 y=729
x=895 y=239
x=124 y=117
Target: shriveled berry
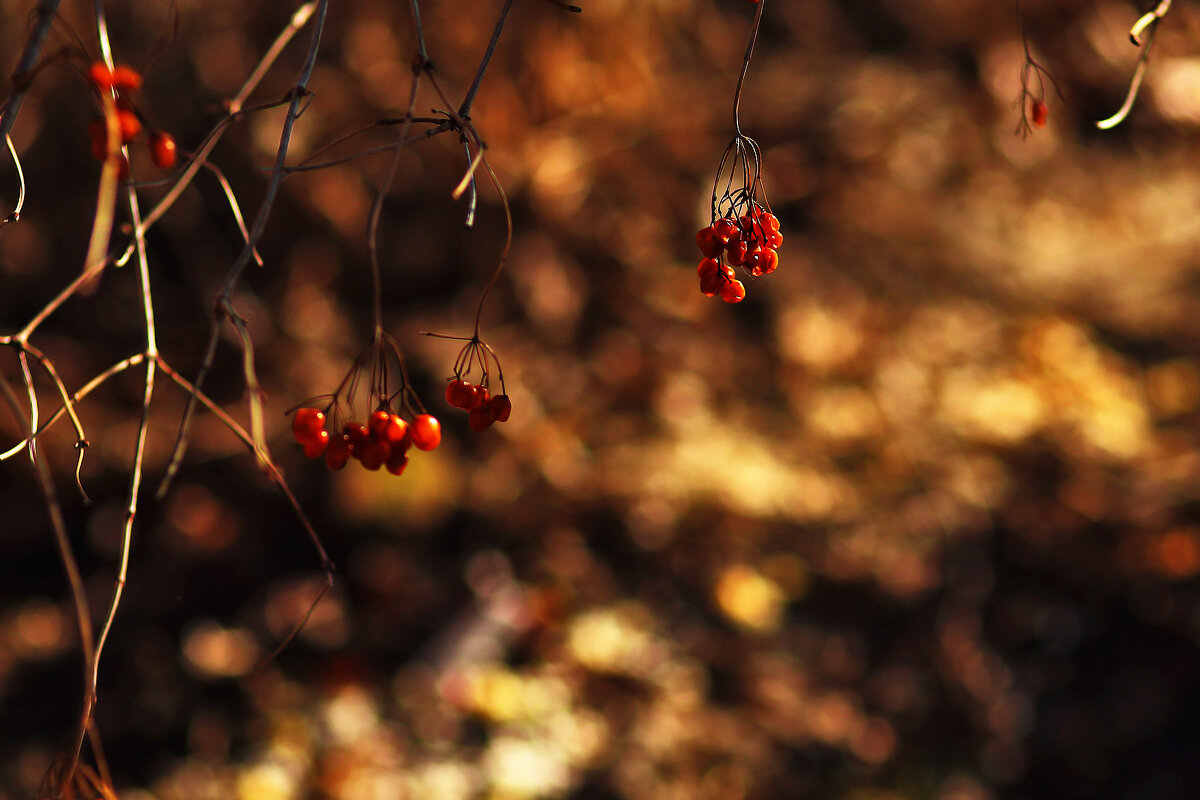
x=733 y=292
x=724 y=229
x=307 y=423
x=315 y=447
x=426 y=431
x=735 y=252
x=501 y=407
x=162 y=150
x=709 y=244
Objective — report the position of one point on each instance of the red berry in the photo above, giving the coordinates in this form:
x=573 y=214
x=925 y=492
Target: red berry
x=129 y=124
x=162 y=150
x=708 y=266
x=100 y=75
x=754 y=261
x=397 y=461
x=338 y=452
x=736 y=251
x=481 y=418
x=479 y=398
x=733 y=292
x=708 y=242
x=501 y=407
x=357 y=435
x=372 y=454
x=1039 y=112
x=711 y=283
x=307 y=423
x=126 y=79
x=397 y=434
x=769 y=262
x=426 y=431
x=724 y=229
x=377 y=423
x=774 y=239
x=315 y=447
x=459 y=393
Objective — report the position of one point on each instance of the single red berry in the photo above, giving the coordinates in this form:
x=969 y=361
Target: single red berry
x=377 y=423
x=426 y=431
x=736 y=251
x=315 y=447
x=1039 y=112
x=126 y=79
x=711 y=283
x=100 y=75
x=481 y=418
x=733 y=292
x=459 y=393
x=770 y=221
x=130 y=126
x=774 y=239
x=769 y=262
x=397 y=433
x=307 y=423
x=162 y=150
x=479 y=398
x=724 y=229
x=338 y=452
x=708 y=266
x=397 y=461
x=501 y=407
x=708 y=242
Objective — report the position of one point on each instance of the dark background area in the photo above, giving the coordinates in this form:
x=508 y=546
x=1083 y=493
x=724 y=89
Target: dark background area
x=918 y=519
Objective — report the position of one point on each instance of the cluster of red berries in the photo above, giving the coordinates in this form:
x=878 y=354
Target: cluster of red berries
x=483 y=408
x=383 y=442
x=749 y=241
x=124 y=80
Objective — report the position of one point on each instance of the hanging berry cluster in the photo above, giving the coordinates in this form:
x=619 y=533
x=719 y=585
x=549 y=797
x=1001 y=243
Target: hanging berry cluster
x=386 y=437
x=743 y=231
x=124 y=81
x=482 y=407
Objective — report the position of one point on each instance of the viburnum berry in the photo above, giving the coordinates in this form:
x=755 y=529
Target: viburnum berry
x=708 y=242
x=338 y=452
x=501 y=407
x=357 y=434
x=459 y=393
x=397 y=461
x=479 y=398
x=724 y=229
x=397 y=433
x=373 y=453
x=162 y=150
x=426 y=432
x=733 y=292
x=307 y=423
x=316 y=446
x=481 y=418
x=121 y=78
x=1038 y=113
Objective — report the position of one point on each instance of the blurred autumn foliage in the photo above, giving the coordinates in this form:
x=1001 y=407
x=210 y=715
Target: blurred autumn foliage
x=918 y=519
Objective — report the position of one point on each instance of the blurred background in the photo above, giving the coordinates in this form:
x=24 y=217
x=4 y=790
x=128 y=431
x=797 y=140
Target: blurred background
x=918 y=519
